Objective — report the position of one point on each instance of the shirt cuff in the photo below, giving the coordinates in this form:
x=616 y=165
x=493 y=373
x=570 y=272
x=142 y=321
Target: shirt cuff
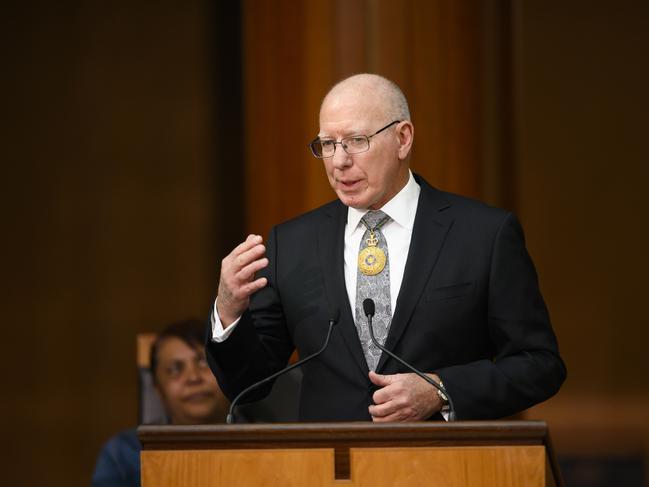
x=218 y=333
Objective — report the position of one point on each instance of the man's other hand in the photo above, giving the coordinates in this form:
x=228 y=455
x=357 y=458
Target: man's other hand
x=403 y=397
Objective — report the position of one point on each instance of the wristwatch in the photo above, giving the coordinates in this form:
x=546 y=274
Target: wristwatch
x=441 y=395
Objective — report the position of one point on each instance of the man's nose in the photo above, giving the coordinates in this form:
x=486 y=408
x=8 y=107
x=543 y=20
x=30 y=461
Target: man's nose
x=341 y=159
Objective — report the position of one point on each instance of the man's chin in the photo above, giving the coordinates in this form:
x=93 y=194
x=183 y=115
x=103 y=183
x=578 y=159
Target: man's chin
x=352 y=199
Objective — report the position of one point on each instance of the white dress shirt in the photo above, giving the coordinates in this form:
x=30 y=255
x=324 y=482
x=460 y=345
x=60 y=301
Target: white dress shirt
x=397 y=232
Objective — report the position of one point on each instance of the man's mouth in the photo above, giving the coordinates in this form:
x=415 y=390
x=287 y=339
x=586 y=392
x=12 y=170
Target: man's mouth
x=350 y=184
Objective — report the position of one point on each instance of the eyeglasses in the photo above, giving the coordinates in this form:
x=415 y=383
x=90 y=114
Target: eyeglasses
x=355 y=144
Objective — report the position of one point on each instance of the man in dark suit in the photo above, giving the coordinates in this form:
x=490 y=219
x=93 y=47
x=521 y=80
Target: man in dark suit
x=457 y=294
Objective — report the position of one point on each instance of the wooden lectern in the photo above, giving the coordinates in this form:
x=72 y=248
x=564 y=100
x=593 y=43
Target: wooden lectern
x=475 y=453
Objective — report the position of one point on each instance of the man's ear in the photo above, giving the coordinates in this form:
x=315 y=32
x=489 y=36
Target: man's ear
x=406 y=135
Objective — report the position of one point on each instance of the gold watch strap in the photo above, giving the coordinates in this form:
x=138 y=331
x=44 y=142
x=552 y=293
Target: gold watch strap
x=441 y=395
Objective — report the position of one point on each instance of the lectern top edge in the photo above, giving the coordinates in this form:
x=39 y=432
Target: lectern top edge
x=349 y=433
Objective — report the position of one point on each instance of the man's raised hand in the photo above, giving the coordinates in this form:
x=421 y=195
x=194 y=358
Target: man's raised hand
x=238 y=281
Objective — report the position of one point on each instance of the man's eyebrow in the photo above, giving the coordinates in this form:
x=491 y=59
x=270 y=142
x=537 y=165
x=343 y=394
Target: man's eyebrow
x=346 y=133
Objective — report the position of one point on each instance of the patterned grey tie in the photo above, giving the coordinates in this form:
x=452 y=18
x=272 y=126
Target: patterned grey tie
x=376 y=287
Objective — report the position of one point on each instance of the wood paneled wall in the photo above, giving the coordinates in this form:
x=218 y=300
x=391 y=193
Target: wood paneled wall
x=111 y=223
x=295 y=51
x=582 y=173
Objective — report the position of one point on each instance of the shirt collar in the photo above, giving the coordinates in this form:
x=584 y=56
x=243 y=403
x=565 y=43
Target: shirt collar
x=401 y=209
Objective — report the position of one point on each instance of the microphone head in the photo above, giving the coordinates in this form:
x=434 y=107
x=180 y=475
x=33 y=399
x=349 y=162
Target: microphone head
x=335 y=315
x=368 y=307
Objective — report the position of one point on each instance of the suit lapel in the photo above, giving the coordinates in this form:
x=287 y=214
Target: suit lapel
x=331 y=248
x=429 y=232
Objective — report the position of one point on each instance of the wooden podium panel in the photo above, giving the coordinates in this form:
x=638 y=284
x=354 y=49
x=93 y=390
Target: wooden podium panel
x=476 y=454
x=505 y=466
x=210 y=468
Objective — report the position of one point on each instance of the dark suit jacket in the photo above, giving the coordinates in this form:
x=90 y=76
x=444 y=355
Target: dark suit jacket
x=469 y=309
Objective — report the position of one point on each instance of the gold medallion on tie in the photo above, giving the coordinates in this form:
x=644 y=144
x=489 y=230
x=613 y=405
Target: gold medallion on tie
x=371 y=260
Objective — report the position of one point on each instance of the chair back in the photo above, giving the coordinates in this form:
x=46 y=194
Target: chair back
x=150 y=408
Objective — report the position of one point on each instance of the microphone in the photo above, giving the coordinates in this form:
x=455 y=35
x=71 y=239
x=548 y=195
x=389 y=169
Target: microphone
x=332 y=321
x=369 y=309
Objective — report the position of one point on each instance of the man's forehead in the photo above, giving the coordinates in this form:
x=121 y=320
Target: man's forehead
x=348 y=116
x=343 y=127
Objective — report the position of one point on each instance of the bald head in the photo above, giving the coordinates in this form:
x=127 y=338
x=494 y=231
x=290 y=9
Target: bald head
x=373 y=90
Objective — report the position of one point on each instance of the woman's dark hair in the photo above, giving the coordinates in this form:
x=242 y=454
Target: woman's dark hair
x=190 y=331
